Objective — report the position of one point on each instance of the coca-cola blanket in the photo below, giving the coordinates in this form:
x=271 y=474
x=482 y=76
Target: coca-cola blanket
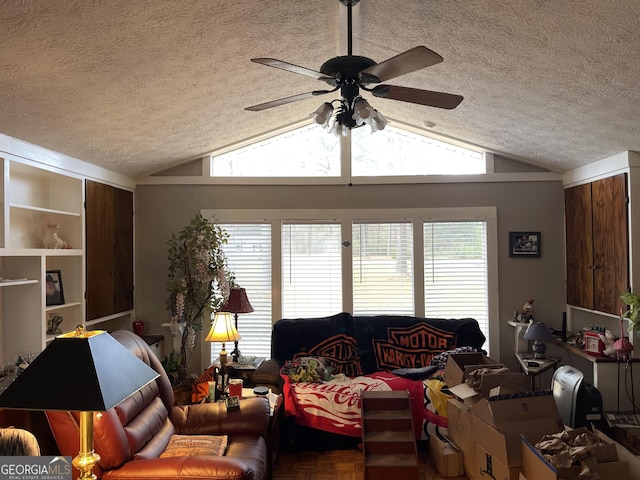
x=335 y=405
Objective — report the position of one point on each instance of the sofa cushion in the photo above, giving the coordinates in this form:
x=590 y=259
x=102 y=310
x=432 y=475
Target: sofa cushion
x=388 y=342
x=332 y=338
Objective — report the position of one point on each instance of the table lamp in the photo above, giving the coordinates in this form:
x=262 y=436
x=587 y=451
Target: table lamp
x=539 y=333
x=237 y=303
x=79 y=371
x=222 y=330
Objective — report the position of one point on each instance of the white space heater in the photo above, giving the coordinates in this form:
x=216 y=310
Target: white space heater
x=579 y=402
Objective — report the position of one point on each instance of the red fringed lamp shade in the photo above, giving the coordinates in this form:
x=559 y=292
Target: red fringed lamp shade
x=237 y=303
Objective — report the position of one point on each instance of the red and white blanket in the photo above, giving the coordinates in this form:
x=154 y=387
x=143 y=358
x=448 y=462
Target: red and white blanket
x=335 y=406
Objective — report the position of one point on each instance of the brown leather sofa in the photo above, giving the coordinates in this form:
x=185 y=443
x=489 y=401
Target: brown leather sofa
x=131 y=437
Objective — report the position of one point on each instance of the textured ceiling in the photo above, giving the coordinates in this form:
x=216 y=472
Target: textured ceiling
x=139 y=85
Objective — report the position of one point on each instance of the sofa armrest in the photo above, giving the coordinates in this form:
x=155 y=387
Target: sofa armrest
x=268 y=375
x=215 y=419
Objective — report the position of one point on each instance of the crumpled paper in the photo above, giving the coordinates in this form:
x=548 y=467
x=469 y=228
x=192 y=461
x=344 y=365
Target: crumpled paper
x=475 y=376
x=563 y=450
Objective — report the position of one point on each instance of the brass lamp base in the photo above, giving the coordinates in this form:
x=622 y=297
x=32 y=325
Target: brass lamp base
x=86 y=458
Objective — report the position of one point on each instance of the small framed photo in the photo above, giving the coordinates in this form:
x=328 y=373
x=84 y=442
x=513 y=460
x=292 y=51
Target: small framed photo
x=54 y=290
x=524 y=244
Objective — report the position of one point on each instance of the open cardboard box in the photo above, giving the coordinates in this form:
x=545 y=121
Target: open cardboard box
x=610 y=461
x=460 y=364
x=499 y=423
x=513 y=381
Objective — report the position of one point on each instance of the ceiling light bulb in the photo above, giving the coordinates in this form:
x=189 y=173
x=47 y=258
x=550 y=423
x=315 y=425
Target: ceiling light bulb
x=323 y=114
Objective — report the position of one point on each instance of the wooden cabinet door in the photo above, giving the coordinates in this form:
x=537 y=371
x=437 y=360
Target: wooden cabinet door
x=579 y=246
x=597 y=244
x=611 y=243
x=109 y=225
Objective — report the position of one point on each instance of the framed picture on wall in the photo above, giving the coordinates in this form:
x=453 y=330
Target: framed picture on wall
x=524 y=244
x=54 y=291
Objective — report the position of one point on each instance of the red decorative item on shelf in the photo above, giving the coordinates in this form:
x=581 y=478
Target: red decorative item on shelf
x=593 y=345
x=138 y=327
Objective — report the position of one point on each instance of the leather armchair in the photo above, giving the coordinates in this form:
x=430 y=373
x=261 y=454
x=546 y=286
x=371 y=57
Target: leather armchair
x=131 y=436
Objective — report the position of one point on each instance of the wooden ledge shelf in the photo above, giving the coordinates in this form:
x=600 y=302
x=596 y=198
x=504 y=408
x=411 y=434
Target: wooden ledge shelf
x=581 y=353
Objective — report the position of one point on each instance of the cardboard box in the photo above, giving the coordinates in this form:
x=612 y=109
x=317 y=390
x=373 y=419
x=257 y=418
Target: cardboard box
x=513 y=381
x=609 y=464
x=460 y=428
x=499 y=422
x=446 y=458
x=459 y=364
x=489 y=467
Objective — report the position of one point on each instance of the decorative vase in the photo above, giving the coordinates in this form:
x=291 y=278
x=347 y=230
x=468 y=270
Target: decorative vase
x=51 y=238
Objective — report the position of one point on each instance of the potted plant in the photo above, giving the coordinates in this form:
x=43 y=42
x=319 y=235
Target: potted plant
x=199 y=281
x=172 y=365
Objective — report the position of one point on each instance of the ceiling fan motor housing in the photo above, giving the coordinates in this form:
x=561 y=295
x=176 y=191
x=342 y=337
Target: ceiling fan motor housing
x=346 y=67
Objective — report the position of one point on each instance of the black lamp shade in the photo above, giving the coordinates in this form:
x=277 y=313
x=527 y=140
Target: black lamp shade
x=92 y=372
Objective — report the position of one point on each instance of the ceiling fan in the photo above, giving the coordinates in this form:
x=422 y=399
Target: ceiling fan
x=351 y=73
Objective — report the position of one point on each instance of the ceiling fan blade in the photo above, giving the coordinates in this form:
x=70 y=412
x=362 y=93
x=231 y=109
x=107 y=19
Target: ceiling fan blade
x=415 y=95
x=285 y=100
x=290 y=67
x=401 y=64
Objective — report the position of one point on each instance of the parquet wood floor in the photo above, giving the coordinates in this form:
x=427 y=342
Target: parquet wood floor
x=337 y=465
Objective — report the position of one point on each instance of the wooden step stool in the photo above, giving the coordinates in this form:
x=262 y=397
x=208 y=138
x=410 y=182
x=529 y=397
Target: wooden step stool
x=388 y=438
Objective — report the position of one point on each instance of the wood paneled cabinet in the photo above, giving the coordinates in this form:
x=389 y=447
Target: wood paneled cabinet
x=109 y=252
x=597 y=244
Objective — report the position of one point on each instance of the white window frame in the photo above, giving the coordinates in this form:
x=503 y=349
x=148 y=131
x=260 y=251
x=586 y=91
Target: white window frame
x=416 y=215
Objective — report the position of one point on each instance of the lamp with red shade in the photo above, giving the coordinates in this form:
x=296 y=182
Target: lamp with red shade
x=237 y=303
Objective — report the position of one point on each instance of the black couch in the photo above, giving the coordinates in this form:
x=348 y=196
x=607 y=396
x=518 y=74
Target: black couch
x=360 y=345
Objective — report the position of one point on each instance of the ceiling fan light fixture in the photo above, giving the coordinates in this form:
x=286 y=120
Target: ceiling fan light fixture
x=376 y=121
x=338 y=129
x=361 y=111
x=323 y=114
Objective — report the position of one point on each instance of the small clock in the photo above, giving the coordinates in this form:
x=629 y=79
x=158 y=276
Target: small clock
x=592 y=344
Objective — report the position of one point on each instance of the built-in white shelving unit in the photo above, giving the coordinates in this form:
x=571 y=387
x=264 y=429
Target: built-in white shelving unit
x=35 y=196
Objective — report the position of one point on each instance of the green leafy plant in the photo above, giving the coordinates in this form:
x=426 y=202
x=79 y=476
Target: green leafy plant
x=172 y=364
x=633 y=303
x=199 y=280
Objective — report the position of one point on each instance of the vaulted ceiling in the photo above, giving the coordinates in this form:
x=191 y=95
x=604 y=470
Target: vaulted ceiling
x=136 y=86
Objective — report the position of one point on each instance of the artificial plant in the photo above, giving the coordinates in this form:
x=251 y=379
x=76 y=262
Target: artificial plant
x=633 y=312
x=199 y=280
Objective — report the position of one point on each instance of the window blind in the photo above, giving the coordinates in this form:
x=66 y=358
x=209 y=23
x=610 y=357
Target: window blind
x=383 y=269
x=311 y=270
x=248 y=253
x=455 y=271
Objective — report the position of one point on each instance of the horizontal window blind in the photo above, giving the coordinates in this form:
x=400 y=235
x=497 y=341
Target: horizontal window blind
x=311 y=270
x=383 y=269
x=248 y=253
x=455 y=271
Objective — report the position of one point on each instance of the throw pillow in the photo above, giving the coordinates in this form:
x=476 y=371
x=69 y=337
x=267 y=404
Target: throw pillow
x=306 y=369
x=188 y=445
